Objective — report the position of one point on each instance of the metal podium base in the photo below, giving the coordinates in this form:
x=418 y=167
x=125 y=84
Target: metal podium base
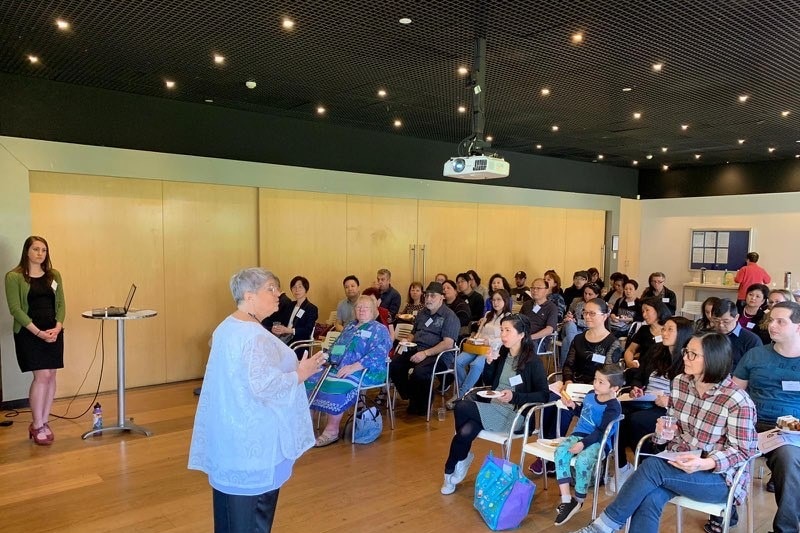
x=126 y=426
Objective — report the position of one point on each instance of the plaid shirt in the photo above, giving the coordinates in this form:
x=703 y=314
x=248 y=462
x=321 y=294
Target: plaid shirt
x=720 y=422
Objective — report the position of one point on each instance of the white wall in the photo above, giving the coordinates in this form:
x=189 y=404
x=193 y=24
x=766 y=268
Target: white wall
x=666 y=226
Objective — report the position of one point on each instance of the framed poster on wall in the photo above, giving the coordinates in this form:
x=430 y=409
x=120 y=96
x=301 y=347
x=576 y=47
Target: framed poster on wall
x=719 y=248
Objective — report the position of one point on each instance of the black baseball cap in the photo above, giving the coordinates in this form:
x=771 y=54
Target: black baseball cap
x=435 y=287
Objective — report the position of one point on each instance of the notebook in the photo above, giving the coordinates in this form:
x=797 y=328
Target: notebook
x=116 y=311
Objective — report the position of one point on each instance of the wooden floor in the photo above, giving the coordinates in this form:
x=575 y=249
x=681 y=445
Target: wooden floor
x=131 y=483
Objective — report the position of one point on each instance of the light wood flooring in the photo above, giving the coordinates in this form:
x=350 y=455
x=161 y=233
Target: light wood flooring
x=131 y=483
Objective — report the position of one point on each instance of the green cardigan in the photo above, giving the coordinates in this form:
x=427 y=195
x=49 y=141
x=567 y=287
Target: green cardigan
x=17 y=297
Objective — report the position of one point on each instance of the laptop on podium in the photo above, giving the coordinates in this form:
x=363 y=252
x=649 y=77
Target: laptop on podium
x=114 y=311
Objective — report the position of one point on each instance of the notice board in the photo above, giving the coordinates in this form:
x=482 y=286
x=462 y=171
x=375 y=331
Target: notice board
x=718 y=249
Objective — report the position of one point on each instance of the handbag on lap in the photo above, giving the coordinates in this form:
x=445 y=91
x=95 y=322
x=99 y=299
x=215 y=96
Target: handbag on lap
x=503 y=495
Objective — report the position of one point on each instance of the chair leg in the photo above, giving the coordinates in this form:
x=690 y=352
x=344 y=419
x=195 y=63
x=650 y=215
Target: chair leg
x=430 y=397
x=390 y=404
x=679 y=519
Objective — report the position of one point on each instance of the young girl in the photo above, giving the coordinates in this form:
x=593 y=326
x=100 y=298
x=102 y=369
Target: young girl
x=599 y=409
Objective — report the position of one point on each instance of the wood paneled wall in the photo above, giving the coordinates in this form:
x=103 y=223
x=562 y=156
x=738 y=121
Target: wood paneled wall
x=180 y=243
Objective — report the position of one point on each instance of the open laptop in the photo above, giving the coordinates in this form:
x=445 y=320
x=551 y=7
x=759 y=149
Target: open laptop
x=116 y=311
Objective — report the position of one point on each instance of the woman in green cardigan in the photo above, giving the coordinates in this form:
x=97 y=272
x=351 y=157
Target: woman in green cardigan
x=36 y=301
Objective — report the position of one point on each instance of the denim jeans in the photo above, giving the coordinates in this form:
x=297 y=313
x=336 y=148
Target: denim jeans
x=468 y=380
x=646 y=493
x=784 y=463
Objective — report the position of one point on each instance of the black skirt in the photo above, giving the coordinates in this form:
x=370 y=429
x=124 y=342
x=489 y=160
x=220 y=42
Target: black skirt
x=33 y=353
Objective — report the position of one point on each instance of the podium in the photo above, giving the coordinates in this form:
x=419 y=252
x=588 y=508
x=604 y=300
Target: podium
x=123 y=424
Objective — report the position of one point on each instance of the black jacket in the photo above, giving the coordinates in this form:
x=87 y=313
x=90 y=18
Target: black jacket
x=534 y=387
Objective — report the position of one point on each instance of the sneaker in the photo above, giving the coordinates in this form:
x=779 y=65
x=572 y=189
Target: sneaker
x=461 y=469
x=567 y=511
x=448 y=487
x=591 y=528
x=537 y=467
x=624 y=473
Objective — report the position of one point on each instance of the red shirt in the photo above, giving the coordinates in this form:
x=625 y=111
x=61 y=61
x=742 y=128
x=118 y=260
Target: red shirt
x=748 y=275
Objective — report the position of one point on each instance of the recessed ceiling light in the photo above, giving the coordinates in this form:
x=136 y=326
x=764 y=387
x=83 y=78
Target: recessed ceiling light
x=405 y=20
x=320 y=110
x=664 y=167
x=381 y=93
x=398 y=123
x=627 y=89
x=33 y=59
x=785 y=113
x=697 y=156
x=463 y=71
x=62 y=24
x=219 y=59
x=637 y=115
x=771 y=149
x=209 y=101
x=600 y=156
x=684 y=127
x=743 y=98
x=740 y=141
x=170 y=84
x=538 y=146
x=577 y=38
x=663 y=148
x=545 y=92
x=462 y=109
x=489 y=138
x=287 y=23
x=649 y=156
x=554 y=127
x=250 y=84
x=797 y=156
x=635 y=162
x=657 y=67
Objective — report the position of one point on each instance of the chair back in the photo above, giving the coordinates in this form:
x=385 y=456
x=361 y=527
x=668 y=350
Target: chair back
x=576 y=391
x=330 y=338
x=331 y=318
x=402 y=329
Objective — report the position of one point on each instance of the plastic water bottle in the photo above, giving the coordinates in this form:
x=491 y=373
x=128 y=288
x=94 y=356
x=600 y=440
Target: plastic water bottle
x=97 y=416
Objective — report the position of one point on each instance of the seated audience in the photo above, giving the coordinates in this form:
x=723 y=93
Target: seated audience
x=475 y=284
x=497 y=282
x=573 y=320
x=416 y=300
x=458 y=306
x=774 y=296
x=345 y=311
x=726 y=323
x=362 y=348
x=389 y=297
x=771 y=375
x=594 y=277
x=579 y=279
x=297 y=321
x=441 y=277
x=712 y=415
x=592 y=349
x=654 y=314
x=541 y=312
x=489 y=331
x=435 y=330
x=657 y=289
x=626 y=311
x=473 y=299
x=705 y=323
x=520 y=292
x=751 y=313
x=750 y=274
x=555 y=293
x=516 y=358
x=618 y=280
x=384 y=317
x=554 y=282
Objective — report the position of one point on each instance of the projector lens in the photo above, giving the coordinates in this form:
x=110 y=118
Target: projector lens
x=459 y=164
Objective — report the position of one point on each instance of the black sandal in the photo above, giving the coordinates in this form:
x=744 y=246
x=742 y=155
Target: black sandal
x=714 y=524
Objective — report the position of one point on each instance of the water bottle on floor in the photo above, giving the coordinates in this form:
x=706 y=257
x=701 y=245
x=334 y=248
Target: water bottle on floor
x=97 y=417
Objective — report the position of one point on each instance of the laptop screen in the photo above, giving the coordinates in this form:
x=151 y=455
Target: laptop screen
x=129 y=299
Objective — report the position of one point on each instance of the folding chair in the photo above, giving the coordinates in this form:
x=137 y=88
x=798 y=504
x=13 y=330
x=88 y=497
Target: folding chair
x=547 y=347
x=361 y=388
x=506 y=438
x=442 y=374
x=330 y=338
x=402 y=329
x=308 y=344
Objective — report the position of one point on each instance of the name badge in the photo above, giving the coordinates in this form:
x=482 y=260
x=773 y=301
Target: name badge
x=428 y=322
x=598 y=358
x=300 y=313
x=658 y=338
x=365 y=334
x=665 y=300
x=54 y=285
x=630 y=304
x=337 y=349
x=750 y=325
x=515 y=380
x=793 y=386
x=537 y=308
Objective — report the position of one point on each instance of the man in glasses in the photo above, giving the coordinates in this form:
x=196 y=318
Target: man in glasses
x=771 y=375
x=542 y=313
x=725 y=321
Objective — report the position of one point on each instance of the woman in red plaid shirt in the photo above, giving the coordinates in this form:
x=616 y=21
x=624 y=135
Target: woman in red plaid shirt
x=713 y=416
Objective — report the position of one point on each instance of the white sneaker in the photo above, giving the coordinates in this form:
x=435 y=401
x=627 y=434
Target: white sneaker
x=461 y=469
x=624 y=473
x=448 y=487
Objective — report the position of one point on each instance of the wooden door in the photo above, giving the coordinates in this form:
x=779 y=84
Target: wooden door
x=448 y=232
x=585 y=235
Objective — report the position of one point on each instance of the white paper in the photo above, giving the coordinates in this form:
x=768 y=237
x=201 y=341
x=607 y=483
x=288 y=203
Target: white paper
x=671 y=456
x=723 y=239
x=774 y=438
x=709 y=256
x=697 y=255
x=698 y=239
x=643 y=398
x=711 y=239
x=722 y=255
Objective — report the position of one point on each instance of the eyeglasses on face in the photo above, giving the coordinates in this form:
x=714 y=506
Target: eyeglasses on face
x=538 y=288
x=690 y=355
x=271 y=288
x=592 y=314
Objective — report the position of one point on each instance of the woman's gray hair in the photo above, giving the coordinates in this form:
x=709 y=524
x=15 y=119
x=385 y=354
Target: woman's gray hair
x=249 y=280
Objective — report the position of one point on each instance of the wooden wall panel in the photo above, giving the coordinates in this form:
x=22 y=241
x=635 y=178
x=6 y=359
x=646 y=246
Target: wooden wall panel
x=630 y=222
x=499 y=246
x=449 y=232
x=210 y=232
x=380 y=232
x=585 y=235
x=305 y=233
x=105 y=233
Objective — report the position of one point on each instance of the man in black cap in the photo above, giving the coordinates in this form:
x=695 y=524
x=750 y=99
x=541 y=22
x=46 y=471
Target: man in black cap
x=435 y=330
x=520 y=292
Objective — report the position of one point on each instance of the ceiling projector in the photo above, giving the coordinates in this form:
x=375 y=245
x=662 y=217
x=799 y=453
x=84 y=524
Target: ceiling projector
x=476 y=167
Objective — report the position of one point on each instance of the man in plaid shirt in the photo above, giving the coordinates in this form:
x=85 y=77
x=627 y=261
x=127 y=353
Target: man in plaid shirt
x=771 y=374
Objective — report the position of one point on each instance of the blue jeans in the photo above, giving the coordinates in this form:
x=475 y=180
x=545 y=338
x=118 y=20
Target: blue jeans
x=468 y=380
x=652 y=485
x=568 y=333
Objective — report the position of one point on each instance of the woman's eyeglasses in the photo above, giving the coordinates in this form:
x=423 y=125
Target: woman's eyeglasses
x=690 y=355
x=592 y=314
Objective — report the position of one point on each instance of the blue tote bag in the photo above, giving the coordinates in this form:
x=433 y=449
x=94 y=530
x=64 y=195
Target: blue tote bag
x=503 y=495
